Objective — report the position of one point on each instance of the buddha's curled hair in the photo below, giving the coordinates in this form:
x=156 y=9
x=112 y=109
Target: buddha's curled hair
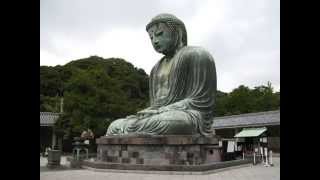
x=174 y=24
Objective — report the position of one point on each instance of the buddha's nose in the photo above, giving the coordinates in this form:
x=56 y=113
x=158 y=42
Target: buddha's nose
x=155 y=41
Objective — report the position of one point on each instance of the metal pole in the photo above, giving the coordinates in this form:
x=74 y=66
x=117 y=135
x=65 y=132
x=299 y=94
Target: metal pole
x=254 y=158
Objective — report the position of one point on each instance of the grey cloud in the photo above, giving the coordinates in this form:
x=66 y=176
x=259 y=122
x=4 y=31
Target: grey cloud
x=232 y=46
x=248 y=27
x=85 y=20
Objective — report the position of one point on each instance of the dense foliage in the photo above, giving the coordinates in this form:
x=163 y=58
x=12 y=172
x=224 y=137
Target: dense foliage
x=245 y=100
x=97 y=91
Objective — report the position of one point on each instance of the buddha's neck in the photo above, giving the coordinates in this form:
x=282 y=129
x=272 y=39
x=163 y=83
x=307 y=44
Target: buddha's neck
x=169 y=55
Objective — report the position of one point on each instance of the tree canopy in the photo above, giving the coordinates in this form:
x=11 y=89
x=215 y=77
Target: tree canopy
x=95 y=91
x=245 y=100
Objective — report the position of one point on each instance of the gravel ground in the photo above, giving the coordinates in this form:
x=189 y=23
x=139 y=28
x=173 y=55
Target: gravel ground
x=258 y=172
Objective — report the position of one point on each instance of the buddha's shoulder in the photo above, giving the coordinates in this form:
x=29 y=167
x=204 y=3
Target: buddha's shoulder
x=195 y=51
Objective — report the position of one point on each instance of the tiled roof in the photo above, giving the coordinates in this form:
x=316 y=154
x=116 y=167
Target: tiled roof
x=48 y=118
x=247 y=120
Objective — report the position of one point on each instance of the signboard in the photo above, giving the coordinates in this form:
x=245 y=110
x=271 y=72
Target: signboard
x=230 y=147
x=264 y=140
x=86 y=142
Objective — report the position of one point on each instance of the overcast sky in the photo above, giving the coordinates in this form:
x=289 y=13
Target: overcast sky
x=243 y=36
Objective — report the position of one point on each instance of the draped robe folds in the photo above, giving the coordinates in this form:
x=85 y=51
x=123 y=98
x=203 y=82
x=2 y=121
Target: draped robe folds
x=188 y=106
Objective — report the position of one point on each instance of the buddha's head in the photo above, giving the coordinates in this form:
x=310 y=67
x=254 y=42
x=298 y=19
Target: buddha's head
x=167 y=33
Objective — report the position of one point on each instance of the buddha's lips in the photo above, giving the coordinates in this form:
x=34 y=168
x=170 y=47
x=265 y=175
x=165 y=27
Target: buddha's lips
x=157 y=47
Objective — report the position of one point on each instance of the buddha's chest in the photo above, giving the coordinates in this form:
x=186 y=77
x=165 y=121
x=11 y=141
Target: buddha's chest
x=164 y=71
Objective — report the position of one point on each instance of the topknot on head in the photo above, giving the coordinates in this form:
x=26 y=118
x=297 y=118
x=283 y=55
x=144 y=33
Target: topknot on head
x=164 y=18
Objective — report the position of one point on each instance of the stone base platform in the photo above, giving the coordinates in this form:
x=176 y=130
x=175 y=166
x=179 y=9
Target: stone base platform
x=203 y=168
x=155 y=152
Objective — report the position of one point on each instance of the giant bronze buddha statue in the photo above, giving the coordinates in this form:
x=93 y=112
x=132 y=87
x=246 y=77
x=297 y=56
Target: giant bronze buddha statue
x=182 y=86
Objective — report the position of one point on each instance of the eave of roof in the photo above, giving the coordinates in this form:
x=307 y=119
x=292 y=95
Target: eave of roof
x=247 y=125
x=250 y=132
x=268 y=118
x=48 y=118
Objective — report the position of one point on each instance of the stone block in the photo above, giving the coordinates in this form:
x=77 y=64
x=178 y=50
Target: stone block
x=124 y=154
x=114 y=153
x=112 y=159
x=190 y=155
x=183 y=155
x=135 y=154
x=168 y=155
x=124 y=147
x=125 y=160
x=139 y=161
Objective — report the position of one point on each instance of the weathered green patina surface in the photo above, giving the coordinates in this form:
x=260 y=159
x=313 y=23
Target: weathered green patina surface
x=182 y=86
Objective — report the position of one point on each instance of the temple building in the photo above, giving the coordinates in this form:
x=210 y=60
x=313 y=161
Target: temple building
x=251 y=129
x=48 y=136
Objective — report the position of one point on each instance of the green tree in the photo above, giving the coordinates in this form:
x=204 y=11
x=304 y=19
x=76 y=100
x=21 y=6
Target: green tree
x=220 y=108
x=96 y=91
x=245 y=100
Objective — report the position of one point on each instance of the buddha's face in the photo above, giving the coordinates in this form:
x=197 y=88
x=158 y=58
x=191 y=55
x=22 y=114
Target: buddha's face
x=162 y=38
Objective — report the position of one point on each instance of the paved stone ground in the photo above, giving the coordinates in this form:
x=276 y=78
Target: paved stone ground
x=258 y=172
x=64 y=164
x=44 y=161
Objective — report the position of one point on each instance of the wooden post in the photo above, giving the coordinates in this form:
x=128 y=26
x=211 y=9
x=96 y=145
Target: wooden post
x=271 y=158
x=61 y=105
x=61 y=112
x=78 y=154
x=266 y=164
x=266 y=152
x=87 y=151
x=53 y=139
x=60 y=143
x=261 y=151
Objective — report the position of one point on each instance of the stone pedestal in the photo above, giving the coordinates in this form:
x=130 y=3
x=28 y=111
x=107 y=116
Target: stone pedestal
x=54 y=157
x=158 y=150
